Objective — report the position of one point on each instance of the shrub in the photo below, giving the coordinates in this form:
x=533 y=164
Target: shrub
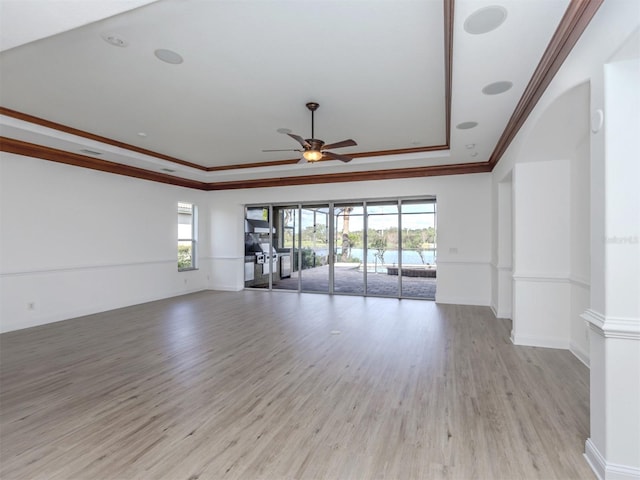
x=184 y=256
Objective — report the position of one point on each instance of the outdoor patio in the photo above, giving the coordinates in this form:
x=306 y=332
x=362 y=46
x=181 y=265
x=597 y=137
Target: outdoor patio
x=349 y=280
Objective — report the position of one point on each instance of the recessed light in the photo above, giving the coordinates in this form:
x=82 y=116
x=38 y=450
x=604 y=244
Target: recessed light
x=474 y=154
x=485 y=20
x=466 y=125
x=169 y=56
x=142 y=134
x=115 y=40
x=496 y=88
x=470 y=145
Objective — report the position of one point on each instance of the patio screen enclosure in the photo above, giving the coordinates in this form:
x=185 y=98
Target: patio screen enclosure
x=372 y=247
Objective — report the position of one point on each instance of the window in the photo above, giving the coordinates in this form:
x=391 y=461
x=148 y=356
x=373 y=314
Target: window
x=187 y=236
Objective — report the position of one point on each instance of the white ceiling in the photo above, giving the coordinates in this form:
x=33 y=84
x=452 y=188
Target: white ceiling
x=377 y=68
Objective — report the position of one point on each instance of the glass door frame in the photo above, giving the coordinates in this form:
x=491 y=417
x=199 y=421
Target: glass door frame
x=329 y=233
x=341 y=205
x=331 y=250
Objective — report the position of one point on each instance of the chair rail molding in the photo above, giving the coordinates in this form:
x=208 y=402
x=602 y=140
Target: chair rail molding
x=544 y=277
x=74 y=268
x=627 y=328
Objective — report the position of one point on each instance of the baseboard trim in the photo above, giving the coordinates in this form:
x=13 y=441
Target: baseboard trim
x=605 y=470
x=462 y=301
x=544 y=342
x=226 y=288
x=579 y=353
x=595 y=460
x=500 y=313
x=46 y=319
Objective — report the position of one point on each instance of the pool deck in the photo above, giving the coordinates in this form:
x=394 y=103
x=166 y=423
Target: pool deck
x=350 y=280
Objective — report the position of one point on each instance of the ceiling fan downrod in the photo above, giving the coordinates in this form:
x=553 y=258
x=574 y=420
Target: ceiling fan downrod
x=313 y=106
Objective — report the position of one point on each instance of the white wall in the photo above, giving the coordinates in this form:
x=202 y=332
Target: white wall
x=77 y=241
x=541 y=254
x=464 y=226
x=613 y=448
x=548 y=169
x=602 y=199
x=622 y=182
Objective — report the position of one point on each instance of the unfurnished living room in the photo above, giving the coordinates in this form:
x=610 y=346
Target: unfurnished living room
x=353 y=239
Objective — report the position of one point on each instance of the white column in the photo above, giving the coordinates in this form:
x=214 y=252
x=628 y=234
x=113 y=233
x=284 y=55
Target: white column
x=504 y=255
x=613 y=449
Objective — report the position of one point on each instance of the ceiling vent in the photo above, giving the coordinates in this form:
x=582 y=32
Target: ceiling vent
x=90 y=152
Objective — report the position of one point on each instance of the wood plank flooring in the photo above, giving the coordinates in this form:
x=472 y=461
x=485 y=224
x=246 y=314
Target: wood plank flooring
x=260 y=385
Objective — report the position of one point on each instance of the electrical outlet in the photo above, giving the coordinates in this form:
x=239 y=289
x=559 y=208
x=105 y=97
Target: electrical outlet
x=185 y=281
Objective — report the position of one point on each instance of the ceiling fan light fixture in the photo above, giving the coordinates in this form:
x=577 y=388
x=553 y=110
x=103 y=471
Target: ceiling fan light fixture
x=313 y=149
x=312 y=155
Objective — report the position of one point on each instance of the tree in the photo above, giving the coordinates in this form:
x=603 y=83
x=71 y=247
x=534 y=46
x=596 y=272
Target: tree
x=346 y=240
x=379 y=243
x=429 y=235
x=314 y=234
x=413 y=240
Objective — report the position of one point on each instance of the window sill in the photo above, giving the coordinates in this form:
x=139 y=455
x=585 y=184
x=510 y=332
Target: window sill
x=190 y=269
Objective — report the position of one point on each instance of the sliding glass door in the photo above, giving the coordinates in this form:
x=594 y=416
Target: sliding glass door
x=286 y=243
x=418 y=259
x=373 y=248
x=314 y=253
x=348 y=245
x=382 y=249
x=260 y=263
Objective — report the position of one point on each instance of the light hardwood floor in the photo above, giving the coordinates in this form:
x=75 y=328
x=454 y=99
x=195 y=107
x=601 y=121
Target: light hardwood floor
x=259 y=385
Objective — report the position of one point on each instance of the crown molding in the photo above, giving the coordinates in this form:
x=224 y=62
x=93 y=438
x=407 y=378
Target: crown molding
x=576 y=18
x=574 y=21
x=449 y=8
x=389 y=174
x=292 y=161
x=18 y=147
x=81 y=133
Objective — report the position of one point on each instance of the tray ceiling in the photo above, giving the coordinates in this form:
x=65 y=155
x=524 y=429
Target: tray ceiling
x=402 y=78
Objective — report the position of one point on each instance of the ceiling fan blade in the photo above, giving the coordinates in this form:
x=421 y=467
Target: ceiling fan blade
x=285 y=150
x=300 y=140
x=336 y=156
x=343 y=143
x=302 y=160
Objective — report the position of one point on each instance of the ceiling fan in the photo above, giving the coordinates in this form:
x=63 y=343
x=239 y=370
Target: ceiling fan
x=314 y=149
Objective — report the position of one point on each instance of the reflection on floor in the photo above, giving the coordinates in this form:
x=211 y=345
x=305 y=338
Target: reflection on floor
x=351 y=280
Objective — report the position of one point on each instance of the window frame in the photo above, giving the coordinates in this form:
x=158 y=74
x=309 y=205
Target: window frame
x=193 y=240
